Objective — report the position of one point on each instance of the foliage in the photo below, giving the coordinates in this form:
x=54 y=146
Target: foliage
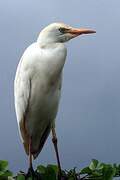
x=95 y=171
x=4 y=172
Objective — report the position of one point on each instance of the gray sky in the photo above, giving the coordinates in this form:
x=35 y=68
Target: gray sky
x=88 y=122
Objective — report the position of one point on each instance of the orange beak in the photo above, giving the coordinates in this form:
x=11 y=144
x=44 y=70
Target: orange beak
x=77 y=32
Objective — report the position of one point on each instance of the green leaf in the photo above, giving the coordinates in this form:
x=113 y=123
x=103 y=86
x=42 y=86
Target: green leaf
x=100 y=166
x=20 y=177
x=30 y=178
x=41 y=169
x=8 y=173
x=50 y=170
x=10 y=178
x=93 y=164
x=3 y=165
x=71 y=178
x=86 y=170
x=54 y=167
x=1 y=173
x=5 y=174
x=108 y=172
x=50 y=173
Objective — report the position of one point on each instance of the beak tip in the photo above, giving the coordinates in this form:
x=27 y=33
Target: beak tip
x=90 y=31
x=94 y=31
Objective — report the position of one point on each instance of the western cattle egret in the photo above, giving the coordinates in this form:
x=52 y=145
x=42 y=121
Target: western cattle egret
x=37 y=87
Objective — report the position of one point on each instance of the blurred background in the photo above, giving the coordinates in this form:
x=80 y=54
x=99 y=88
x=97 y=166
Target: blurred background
x=88 y=121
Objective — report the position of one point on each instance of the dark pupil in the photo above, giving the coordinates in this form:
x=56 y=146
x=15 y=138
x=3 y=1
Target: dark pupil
x=62 y=30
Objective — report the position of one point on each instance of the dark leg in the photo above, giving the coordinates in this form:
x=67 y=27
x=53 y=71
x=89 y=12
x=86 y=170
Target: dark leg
x=31 y=173
x=30 y=155
x=54 y=140
x=30 y=169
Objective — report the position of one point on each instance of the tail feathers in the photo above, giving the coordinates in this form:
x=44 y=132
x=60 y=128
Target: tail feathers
x=42 y=141
x=25 y=138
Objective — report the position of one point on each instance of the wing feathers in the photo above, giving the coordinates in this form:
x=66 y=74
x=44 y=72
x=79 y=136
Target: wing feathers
x=42 y=141
x=25 y=135
x=22 y=98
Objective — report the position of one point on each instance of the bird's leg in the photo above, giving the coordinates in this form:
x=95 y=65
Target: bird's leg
x=54 y=140
x=30 y=169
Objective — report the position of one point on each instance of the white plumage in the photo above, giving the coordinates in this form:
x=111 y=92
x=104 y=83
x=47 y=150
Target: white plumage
x=37 y=89
x=38 y=84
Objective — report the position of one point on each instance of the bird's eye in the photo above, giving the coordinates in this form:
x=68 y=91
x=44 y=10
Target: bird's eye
x=62 y=30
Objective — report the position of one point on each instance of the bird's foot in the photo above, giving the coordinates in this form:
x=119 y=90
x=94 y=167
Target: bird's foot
x=33 y=174
x=30 y=173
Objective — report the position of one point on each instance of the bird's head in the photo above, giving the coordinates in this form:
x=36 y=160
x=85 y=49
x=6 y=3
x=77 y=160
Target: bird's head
x=60 y=33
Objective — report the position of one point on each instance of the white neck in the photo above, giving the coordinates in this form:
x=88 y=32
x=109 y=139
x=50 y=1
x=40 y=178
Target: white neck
x=46 y=39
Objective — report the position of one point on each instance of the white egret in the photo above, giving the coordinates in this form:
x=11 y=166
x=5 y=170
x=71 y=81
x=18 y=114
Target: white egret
x=37 y=87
